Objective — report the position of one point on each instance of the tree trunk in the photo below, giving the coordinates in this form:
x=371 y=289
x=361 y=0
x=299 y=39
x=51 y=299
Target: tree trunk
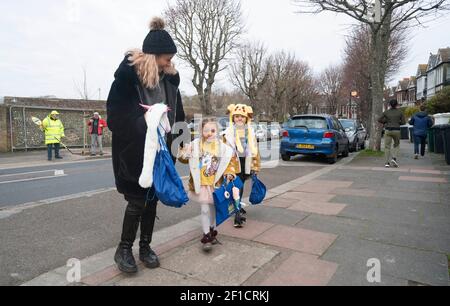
x=378 y=68
x=206 y=101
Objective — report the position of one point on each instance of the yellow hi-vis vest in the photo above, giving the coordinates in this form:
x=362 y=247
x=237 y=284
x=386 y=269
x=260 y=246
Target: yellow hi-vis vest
x=53 y=129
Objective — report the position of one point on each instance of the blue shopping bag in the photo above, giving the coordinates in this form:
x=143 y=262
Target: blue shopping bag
x=224 y=202
x=258 y=191
x=167 y=183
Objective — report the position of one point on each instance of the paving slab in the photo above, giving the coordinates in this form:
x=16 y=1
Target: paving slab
x=412 y=236
x=302 y=270
x=250 y=231
x=229 y=264
x=159 y=277
x=274 y=215
x=278 y=202
x=322 y=208
x=396 y=211
x=301 y=240
x=364 y=192
x=423 y=179
x=409 y=264
x=307 y=196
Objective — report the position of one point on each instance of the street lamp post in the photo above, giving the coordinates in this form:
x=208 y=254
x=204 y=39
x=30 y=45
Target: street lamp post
x=353 y=94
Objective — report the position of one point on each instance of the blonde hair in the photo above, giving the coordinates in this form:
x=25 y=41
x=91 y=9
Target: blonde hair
x=147 y=68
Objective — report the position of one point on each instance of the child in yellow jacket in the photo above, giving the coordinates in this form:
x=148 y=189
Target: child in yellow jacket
x=210 y=163
x=241 y=137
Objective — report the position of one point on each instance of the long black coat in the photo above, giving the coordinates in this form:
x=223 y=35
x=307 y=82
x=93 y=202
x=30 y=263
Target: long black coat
x=128 y=126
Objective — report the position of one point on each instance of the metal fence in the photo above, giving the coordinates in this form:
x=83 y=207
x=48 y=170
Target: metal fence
x=25 y=135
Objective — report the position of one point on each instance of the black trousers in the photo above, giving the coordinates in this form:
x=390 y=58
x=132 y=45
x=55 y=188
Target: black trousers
x=139 y=212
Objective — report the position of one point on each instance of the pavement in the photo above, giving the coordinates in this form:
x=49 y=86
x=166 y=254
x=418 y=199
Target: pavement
x=353 y=223
x=38 y=158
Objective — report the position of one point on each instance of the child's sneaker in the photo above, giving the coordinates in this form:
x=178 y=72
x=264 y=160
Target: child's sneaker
x=387 y=165
x=394 y=162
x=416 y=156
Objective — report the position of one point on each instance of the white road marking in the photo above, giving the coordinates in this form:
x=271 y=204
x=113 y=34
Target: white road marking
x=26 y=173
x=33 y=179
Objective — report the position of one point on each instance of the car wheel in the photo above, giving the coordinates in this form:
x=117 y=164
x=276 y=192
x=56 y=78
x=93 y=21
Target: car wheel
x=332 y=160
x=345 y=153
x=285 y=157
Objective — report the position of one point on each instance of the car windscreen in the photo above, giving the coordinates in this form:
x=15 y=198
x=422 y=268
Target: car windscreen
x=309 y=122
x=348 y=124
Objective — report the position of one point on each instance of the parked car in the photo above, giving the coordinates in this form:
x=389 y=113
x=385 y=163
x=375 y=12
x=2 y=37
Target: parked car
x=356 y=134
x=274 y=131
x=223 y=122
x=261 y=132
x=318 y=135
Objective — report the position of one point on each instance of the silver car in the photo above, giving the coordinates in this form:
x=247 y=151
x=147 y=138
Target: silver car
x=356 y=134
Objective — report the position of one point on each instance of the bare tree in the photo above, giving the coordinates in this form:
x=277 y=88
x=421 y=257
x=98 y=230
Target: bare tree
x=82 y=87
x=206 y=31
x=249 y=72
x=289 y=88
x=382 y=17
x=331 y=87
x=357 y=64
x=279 y=66
x=302 y=89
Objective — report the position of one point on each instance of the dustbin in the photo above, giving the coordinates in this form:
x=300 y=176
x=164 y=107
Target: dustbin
x=404 y=132
x=438 y=139
x=447 y=143
x=411 y=134
x=431 y=140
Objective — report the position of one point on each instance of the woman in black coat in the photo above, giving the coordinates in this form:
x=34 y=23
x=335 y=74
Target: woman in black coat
x=143 y=77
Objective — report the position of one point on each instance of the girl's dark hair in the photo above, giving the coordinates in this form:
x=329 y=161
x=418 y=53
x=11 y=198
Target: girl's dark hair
x=393 y=103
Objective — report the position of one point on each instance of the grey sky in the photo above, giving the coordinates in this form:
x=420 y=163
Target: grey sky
x=45 y=44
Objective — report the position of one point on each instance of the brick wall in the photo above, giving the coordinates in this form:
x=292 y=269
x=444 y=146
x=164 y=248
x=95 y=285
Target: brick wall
x=74 y=115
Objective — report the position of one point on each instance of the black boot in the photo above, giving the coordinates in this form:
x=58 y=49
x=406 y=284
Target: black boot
x=124 y=254
x=213 y=233
x=146 y=254
x=207 y=242
x=125 y=260
x=238 y=220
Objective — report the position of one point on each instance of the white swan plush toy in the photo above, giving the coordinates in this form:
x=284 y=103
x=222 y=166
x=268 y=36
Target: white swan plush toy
x=155 y=117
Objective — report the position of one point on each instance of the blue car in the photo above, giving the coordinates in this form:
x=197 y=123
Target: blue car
x=319 y=135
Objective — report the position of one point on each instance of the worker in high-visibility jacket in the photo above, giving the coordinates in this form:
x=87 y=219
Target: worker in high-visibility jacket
x=54 y=131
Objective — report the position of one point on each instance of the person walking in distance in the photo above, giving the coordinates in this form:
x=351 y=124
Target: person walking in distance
x=421 y=122
x=392 y=119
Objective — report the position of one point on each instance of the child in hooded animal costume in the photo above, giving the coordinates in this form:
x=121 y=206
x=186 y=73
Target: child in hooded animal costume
x=210 y=163
x=240 y=136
